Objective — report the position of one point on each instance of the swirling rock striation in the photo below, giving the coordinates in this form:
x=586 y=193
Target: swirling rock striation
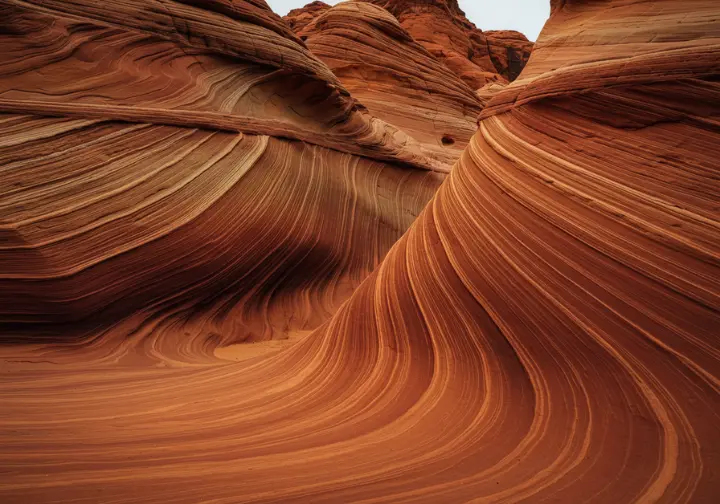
x=440 y=26
x=179 y=64
x=395 y=77
x=545 y=331
x=143 y=147
x=475 y=56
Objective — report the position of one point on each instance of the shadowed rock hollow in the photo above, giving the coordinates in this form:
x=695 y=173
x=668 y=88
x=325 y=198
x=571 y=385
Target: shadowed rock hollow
x=232 y=269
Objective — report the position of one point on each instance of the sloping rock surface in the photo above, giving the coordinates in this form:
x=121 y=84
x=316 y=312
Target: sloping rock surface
x=395 y=77
x=544 y=330
x=145 y=146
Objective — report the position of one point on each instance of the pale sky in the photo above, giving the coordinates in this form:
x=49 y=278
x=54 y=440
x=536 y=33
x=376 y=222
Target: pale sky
x=526 y=16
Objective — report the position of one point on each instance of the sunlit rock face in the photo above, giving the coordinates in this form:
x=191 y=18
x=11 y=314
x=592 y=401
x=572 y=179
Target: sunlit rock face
x=176 y=178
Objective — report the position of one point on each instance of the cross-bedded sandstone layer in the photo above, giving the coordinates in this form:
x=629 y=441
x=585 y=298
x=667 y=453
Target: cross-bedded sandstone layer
x=396 y=78
x=440 y=26
x=545 y=331
x=143 y=147
x=95 y=77
x=230 y=66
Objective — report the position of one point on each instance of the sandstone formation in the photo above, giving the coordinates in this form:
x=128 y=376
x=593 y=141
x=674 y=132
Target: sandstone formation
x=298 y=19
x=440 y=26
x=509 y=51
x=181 y=64
x=546 y=330
x=381 y=65
x=158 y=163
x=488 y=91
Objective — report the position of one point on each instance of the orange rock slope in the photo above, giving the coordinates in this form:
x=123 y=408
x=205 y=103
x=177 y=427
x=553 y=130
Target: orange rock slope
x=545 y=331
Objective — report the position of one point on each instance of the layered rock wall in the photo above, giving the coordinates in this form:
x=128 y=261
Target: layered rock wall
x=545 y=329
x=440 y=26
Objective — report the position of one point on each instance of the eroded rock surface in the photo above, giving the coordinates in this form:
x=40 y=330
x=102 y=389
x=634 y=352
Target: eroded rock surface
x=440 y=26
x=509 y=51
x=191 y=158
x=298 y=19
x=395 y=77
x=176 y=177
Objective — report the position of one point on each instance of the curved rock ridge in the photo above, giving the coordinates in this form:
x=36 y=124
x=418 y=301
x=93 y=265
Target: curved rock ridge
x=394 y=76
x=545 y=330
x=585 y=47
x=442 y=28
x=232 y=66
x=298 y=19
x=148 y=166
x=564 y=284
x=248 y=233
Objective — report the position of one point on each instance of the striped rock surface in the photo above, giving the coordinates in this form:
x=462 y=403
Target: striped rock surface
x=395 y=77
x=477 y=57
x=160 y=154
x=545 y=331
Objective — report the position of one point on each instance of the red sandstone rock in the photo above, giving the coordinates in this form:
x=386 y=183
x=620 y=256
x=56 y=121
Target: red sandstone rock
x=442 y=28
x=298 y=19
x=395 y=77
x=117 y=119
x=489 y=90
x=509 y=51
x=176 y=177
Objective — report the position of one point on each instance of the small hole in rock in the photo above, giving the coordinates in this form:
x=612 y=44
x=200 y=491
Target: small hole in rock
x=447 y=140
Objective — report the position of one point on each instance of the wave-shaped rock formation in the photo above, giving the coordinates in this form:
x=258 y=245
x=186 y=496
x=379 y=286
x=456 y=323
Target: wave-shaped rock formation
x=180 y=64
x=395 y=77
x=546 y=330
x=143 y=148
x=440 y=26
x=477 y=57
x=299 y=19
